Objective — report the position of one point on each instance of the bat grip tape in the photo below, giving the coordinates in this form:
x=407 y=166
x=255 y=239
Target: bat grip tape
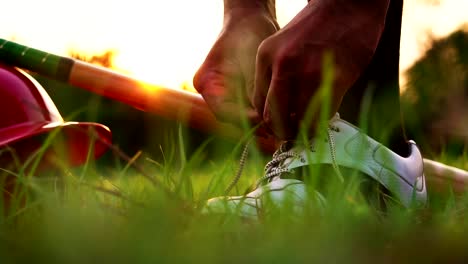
x=50 y=65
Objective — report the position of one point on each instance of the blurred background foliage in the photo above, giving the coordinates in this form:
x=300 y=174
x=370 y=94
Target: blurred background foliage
x=434 y=103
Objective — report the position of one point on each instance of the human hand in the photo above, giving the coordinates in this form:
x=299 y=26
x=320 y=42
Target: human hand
x=226 y=77
x=289 y=63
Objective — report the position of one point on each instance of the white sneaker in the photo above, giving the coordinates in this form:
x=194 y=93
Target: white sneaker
x=344 y=147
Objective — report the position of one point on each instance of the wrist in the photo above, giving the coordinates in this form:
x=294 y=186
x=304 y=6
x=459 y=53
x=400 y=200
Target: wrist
x=263 y=6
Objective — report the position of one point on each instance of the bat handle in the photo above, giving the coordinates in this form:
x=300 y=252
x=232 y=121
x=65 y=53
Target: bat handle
x=442 y=173
x=50 y=65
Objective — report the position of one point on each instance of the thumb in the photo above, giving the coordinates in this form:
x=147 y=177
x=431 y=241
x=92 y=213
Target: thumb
x=218 y=90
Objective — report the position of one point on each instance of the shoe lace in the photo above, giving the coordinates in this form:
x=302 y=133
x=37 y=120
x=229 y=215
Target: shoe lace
x=277 y=167
x=242 y=161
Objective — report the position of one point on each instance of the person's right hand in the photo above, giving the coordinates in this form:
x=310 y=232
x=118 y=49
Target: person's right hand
x=226 y=77
x=290 y=63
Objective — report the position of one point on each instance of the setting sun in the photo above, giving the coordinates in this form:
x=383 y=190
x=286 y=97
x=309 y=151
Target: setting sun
x=169 y=43
x=164 y=42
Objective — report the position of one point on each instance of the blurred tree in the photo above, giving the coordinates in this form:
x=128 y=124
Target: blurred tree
x=106 y=59
x=435 y=101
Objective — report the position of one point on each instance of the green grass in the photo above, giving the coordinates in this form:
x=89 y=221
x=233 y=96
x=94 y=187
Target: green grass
x=141 y=209
x=121 y=216
x=146 y=211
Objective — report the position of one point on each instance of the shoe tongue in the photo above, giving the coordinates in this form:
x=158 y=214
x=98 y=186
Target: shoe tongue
x=286 y=146
x=336 y=116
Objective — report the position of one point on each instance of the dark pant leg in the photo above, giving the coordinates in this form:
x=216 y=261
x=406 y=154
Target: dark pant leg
x=380 y=83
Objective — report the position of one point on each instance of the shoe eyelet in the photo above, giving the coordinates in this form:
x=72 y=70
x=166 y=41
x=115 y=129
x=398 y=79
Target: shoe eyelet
x=335 y=128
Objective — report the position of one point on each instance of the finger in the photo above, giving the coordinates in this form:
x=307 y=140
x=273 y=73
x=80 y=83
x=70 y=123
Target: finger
x=289 y=100
x=222 y=91
x=279 y=113
x=262 y=81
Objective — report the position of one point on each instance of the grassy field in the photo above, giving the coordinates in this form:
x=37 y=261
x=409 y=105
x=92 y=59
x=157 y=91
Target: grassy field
x=150 y=213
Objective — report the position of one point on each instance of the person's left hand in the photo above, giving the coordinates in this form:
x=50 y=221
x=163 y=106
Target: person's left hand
x=226 y=77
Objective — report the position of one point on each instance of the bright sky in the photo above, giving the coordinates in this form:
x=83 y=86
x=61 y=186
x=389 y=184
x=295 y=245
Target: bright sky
x=164 y=41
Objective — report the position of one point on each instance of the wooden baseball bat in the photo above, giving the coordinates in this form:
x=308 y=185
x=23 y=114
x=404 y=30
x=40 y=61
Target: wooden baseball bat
x=175 y=104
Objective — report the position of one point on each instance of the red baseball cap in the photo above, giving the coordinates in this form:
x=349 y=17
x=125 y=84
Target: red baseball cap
x=27 y=113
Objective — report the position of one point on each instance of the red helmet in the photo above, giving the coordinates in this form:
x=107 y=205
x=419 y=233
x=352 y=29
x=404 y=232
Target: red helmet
x=27 y=113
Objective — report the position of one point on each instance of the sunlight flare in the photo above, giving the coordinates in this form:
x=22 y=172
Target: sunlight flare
x=164 y=42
